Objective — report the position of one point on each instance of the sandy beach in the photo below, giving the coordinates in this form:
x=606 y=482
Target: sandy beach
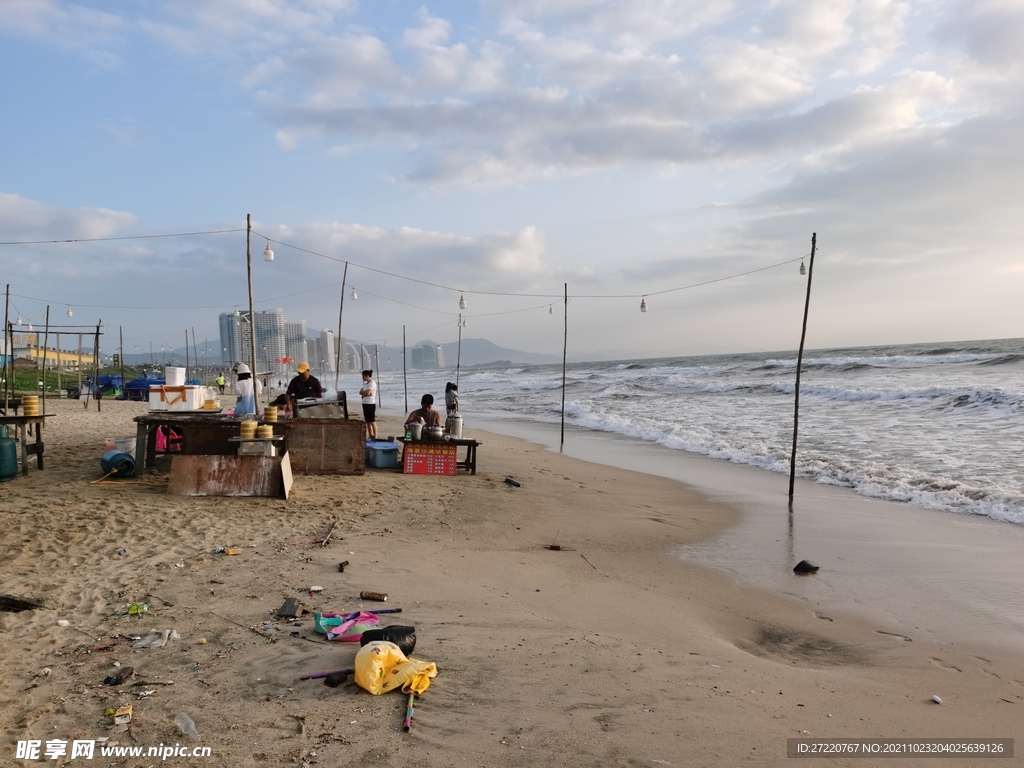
x=612 y=652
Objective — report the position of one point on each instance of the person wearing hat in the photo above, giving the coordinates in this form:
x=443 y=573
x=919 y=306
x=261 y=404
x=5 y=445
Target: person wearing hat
x=303 y=385
x=248 y=390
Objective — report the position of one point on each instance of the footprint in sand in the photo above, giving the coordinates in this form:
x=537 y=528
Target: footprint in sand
x=943 y=665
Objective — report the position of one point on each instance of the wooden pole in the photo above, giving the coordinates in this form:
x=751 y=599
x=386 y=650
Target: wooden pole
x=252 y=312
x=120 y=344
x=458 y=359
x=799 y=365
x=405 y=372
x=80 y=366
x=376 y=364
x=342 y=353
x=60 y=362
x=565 y=347
x=46 y=345
x=152 y=358
x=8 y=344
x=195 y=350
x=96 y=369
x=186 y=356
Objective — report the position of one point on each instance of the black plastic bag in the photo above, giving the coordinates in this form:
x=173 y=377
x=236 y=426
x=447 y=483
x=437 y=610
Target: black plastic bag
x=403 y=637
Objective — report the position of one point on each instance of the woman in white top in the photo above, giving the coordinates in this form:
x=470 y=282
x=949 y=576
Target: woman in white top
x=248 y=390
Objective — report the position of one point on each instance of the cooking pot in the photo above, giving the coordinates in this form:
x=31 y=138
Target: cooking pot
x=435 y=433
x=417 y=430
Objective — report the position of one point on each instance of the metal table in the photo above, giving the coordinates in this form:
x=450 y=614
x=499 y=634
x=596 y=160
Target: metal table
x=21 y=423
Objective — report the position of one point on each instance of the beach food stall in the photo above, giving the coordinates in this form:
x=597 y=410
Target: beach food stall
x=215 y=452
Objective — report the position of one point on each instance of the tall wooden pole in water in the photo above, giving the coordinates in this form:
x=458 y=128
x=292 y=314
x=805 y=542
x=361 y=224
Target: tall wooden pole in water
x=46 y=344
x=405 y=372
x=565 y=344
x=799 y=365
x=8 y=343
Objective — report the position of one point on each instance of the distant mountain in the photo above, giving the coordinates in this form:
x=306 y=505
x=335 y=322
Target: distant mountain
x=482 y=351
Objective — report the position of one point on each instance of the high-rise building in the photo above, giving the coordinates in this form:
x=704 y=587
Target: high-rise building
x=236 y=340
x=295 y=343
x=423 y=355
x=328 y=350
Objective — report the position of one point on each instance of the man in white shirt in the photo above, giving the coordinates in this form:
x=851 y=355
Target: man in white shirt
x=369 y=395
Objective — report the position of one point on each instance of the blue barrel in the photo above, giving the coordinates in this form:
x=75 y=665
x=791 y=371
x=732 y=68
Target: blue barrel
x=8 y=457
x=118 y=463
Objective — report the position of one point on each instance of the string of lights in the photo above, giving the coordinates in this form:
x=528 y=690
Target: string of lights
x=123 y=237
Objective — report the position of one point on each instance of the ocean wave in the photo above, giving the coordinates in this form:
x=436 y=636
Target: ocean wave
x=883 y=361
x=888 y=482
x=955 y=398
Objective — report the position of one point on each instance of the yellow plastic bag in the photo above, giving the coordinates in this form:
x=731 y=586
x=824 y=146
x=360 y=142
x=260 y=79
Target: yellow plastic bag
x=381 y=666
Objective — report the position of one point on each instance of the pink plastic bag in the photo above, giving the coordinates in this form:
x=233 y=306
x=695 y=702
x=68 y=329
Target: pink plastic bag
x=350 y=631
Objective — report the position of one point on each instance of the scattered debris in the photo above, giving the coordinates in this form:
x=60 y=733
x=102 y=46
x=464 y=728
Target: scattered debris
x=123 y=715
x=292 y=608
x=559 y=548
x=804 y=567
x=335 y=679
x=124 y=674
x=341 y=566
x=327 y=538
x=936 y=699
x=378 y=596
x=513 y=483
x=186 y=726
x=157 y=638
x=316 y=589
x=63 y=623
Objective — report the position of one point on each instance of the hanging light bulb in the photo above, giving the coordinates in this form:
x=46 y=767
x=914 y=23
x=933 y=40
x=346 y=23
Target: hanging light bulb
x=19 y=320
x=462 y=301
x=464 y=323
x=643 y=304
x=268 y=255
x=803 y=269
x=551 y=309
x=354 y=297
x=70 y=313
x=30 y=325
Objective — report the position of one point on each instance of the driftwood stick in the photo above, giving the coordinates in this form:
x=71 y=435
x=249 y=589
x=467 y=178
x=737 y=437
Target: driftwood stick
x=327 y=538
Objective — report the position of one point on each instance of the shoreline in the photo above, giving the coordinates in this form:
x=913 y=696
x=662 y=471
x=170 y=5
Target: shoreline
x=945 y=576
x=611 y=653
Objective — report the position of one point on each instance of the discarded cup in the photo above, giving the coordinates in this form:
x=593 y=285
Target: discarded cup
x=137 y=609
x=186 y=726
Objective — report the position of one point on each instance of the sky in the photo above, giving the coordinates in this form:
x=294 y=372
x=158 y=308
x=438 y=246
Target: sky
x=502 y=150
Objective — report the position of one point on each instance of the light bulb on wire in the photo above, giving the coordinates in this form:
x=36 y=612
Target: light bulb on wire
x=70 y=313
x=268 y=255
x=643 y=304
x=354 y=297
x=803 y=269
x=462 y=301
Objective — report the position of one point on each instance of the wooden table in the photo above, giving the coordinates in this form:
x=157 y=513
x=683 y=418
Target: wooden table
x=201 y=433
x=471 y=445
x=21 y=423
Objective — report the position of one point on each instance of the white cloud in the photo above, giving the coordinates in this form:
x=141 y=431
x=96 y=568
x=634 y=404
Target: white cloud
x=24 y=219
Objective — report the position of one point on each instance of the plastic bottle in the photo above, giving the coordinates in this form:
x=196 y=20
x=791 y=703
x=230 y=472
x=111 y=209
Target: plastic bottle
x=186 y=725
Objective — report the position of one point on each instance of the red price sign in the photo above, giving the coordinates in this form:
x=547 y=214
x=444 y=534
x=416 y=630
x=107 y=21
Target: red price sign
x=429 y=459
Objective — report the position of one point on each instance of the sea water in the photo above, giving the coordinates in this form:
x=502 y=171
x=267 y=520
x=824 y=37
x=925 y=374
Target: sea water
x=939 y=426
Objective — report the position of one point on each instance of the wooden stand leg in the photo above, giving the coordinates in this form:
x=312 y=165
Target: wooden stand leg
x=141 y=441
x=39 y=445
x=24 y=450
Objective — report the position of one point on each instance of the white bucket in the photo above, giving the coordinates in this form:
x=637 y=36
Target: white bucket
x=175 y=377
x=124 y=444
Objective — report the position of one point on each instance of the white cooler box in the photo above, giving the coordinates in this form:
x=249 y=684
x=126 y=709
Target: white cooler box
x=183 y=398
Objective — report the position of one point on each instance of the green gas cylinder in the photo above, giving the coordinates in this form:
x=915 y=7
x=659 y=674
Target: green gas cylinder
x=8 y=457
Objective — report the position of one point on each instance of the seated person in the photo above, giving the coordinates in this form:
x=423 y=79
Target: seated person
x=303 y=385
x=425 y=413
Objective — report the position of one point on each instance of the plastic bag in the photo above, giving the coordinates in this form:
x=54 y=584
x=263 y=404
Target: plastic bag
x=403 y=637
x=381 y=666
x=353 y=627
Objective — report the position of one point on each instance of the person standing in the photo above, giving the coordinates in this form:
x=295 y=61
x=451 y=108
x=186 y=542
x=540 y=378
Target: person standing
x=220 y=382
x=451 y=397
x=369 y=395
x=248 y=390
